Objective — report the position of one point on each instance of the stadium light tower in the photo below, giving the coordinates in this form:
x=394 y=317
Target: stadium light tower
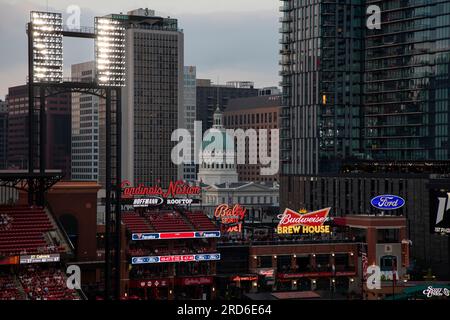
x=47 y=47
x=45 y=72
x=110 y=72
x=45 y=65
x=110 y=52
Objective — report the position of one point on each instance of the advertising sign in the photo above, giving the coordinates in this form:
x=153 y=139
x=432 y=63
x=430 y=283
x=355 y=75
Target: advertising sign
x=244 y=278
x=147 y=196
x=176 y=258
x=387 y=202
x=436 y=292
x=146 y=202
x=39 y=258
x=268 y=273
x=154 y=283
x=292 y=222
x=176 y=188
x=316 y=274
x=440 y=211
x=175 y=235
x=195 y=281
x=231 y=218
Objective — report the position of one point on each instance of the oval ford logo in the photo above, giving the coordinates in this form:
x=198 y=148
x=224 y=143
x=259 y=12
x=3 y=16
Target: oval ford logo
x=387 y=202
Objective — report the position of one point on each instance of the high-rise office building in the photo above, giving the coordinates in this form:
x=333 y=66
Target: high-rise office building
x=3 y=134
x=152 y=97
x=187 y=172
x=210 y=95
x=366 y=112
x=58 y=130
x=85 y=127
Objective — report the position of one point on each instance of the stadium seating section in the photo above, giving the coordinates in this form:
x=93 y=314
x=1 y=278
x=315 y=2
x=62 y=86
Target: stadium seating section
x=200 y=221
x=46 y=284
x=9 y=289
x=22 y=231
x=167 y=221
x=135 y=223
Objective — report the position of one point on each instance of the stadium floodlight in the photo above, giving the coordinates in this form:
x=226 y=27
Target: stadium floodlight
x=110 y=52
x=47 y=49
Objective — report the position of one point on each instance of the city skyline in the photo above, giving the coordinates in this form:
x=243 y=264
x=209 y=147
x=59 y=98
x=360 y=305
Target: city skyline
x=196 y=174
x=247 y=48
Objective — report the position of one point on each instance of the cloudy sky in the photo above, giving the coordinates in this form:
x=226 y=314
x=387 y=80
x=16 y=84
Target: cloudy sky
x=225 y=39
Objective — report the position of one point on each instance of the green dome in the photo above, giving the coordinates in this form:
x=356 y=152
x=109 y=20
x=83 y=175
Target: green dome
x=210 y=139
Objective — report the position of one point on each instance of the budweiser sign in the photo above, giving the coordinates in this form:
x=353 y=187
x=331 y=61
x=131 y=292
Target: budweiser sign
x=295 y=222
x=231 y=217
x=176 y=188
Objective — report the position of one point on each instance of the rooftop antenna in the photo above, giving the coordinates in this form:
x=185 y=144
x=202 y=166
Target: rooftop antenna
x=218 y=93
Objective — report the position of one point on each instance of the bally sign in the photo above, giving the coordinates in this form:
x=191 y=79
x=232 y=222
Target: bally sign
x=231 y=218
x=294 y=222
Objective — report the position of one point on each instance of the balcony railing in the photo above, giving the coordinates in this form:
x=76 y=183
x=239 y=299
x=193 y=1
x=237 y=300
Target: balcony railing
x=285 y=29
x=285 y=18
x=286 y=7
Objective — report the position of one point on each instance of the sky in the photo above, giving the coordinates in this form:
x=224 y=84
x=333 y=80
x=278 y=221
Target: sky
x=226 y=39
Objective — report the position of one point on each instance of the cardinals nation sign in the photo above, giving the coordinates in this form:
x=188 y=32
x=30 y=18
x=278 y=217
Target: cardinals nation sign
x=295 y=222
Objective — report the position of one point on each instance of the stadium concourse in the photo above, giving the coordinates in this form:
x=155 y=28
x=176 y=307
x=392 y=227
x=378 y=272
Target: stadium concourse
x=31 y=247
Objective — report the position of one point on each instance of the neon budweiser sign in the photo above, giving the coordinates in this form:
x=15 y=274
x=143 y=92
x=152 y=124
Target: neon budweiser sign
x=296 y=222
x=176 y=188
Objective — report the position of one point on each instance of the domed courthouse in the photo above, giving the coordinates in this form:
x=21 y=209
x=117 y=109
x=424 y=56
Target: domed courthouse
x=218 y=155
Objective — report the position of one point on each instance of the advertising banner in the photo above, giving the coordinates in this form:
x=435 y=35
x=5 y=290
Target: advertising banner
x=175 y=235
x=177 y=193
x=153 y=283
x=292 y=222
x=195 y=281
x=440 y=211
x=176 y=258
x=231 y=218
x=244 y=278
x=316 y=274
x=39 y=258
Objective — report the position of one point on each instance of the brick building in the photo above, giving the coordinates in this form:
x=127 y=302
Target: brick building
x=260 y=112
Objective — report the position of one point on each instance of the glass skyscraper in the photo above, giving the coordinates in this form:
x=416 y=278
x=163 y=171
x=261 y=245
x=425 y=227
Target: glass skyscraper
x=366 y=111
x=406 y=91
x=322 y=64
x=351 y=92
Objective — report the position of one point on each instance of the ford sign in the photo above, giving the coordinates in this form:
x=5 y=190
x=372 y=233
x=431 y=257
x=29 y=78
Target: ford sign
x=387 y=202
